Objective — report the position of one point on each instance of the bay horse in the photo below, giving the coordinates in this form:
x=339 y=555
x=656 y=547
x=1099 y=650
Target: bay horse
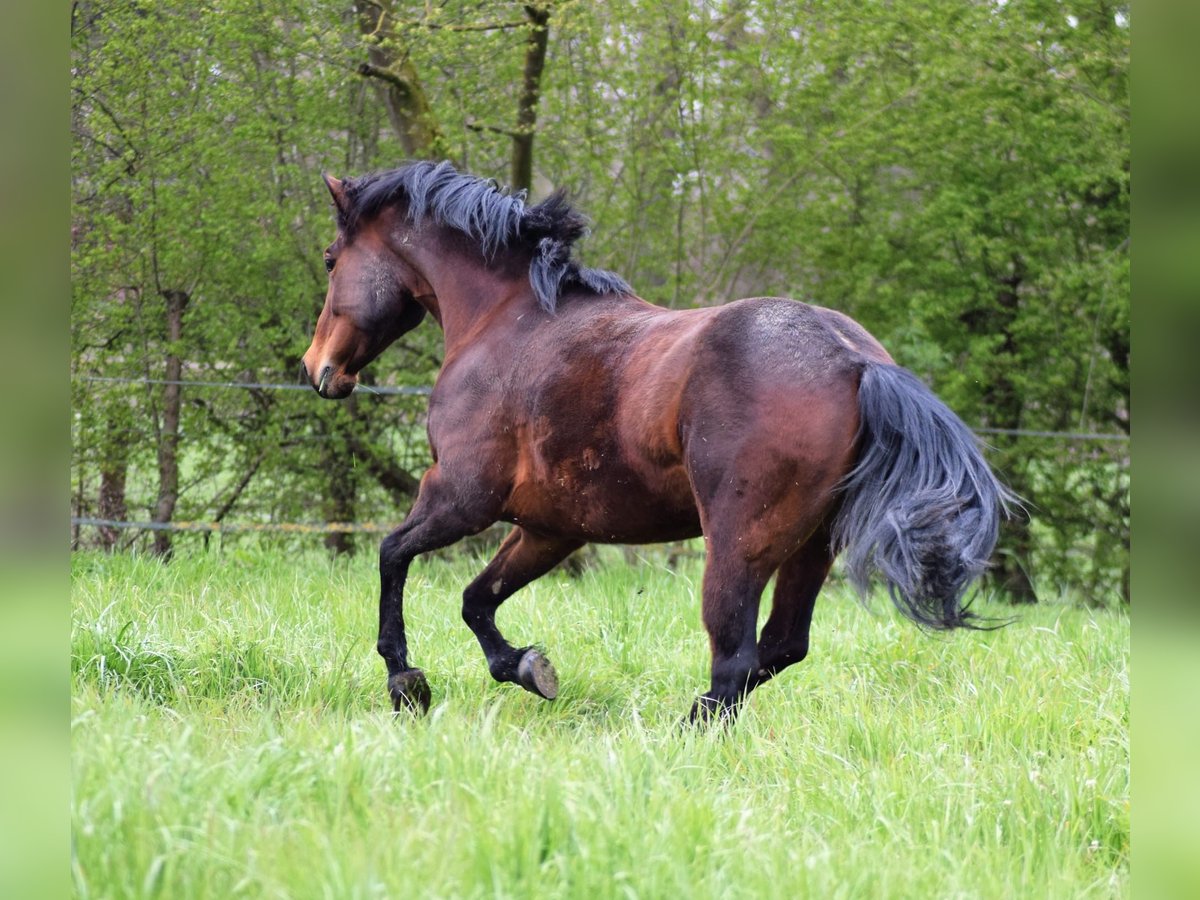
x=570 y=407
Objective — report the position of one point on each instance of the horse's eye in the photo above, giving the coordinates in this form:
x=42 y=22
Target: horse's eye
x=329 y=261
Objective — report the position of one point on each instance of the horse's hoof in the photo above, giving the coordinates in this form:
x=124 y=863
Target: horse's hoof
x=707 y=711
x=699 y=716
x=410 y=691
x=536 y=675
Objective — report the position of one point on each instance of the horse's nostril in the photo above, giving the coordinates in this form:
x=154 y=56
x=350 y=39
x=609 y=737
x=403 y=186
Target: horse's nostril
x=325 y=373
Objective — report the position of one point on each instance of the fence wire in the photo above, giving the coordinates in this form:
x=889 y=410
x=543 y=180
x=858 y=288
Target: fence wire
x=255 y=385
x=241 y=527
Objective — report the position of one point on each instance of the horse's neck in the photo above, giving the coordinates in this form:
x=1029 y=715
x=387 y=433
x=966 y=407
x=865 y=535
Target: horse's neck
x=469 y=306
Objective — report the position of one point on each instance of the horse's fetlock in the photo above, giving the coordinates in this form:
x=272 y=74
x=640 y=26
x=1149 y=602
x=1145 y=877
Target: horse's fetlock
x=501 y=668
x=735 y=671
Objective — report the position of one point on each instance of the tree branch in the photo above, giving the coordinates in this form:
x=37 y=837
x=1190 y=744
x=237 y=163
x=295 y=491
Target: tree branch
x=238 y=489
x=396 y=481
x=507 y=132
x=399 y=86
x=367 y=70
x=479 y=26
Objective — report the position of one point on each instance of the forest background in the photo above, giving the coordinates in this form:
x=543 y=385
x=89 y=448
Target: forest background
x=955 y=175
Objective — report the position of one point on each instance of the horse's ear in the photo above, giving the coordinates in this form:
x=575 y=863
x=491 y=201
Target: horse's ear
x=338 y=190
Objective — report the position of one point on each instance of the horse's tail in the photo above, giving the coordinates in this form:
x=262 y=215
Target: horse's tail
x=921 y=508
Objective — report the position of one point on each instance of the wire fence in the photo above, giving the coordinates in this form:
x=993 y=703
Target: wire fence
x=1059 y=435
x=240 y=527
x=326 y=528
x=255 y=385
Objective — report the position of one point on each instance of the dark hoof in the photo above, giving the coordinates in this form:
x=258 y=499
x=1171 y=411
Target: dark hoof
x=536 y=675
x=410 y=691
x=698 y=717
x=707 y=710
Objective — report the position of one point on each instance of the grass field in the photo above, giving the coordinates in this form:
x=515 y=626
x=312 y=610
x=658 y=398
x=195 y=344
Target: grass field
x=231 y=737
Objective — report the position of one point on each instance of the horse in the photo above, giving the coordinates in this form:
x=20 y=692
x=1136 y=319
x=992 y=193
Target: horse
x=566 y=405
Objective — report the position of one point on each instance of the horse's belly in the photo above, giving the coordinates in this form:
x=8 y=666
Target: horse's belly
x=614 y=506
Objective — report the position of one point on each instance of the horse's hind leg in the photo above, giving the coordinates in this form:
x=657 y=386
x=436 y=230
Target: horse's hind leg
x=522 y=557
x=733 y=586
x=748 y=540
x=784 y=639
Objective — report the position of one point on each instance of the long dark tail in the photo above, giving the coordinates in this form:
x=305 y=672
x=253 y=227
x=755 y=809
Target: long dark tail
x=921 y=508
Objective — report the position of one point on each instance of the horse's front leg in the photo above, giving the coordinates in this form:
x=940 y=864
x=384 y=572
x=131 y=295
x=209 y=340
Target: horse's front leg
x=437 y=519
x=522 y=557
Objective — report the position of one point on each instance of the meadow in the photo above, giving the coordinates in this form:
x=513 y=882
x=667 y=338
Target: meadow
x=231 y=736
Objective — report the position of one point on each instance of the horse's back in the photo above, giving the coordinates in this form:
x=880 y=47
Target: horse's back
x=776 y=337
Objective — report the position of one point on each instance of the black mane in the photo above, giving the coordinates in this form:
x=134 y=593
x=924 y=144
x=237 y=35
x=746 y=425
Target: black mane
x=496 y=219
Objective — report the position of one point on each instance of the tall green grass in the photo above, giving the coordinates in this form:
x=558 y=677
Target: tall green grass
x=231 y=737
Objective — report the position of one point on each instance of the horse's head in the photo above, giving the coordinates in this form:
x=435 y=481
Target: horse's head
x=370 y=302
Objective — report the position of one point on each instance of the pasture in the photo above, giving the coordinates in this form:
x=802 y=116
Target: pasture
x=232 y=736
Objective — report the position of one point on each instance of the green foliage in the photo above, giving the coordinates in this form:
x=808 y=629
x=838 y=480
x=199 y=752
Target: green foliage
x=261 y=757
x=201 y=173
x=955 y=175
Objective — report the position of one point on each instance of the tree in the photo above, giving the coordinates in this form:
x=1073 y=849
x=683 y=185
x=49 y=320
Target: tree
x=194 y=244
x=398 y=38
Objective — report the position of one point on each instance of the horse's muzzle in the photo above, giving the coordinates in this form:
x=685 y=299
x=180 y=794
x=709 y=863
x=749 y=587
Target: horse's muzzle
x=328 y=382
x=317 y=385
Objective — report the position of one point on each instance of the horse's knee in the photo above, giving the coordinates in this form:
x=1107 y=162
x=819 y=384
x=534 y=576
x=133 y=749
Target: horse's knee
x=479 y=603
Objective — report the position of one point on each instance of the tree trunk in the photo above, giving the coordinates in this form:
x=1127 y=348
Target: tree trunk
x=340 y=459
x=340 y=502
x=341 y=509
x=398 y=84
x=531 y=90
x=113 y=467
x=168 y=440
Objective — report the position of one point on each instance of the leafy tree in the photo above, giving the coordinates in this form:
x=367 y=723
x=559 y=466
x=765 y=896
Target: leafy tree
x=196 y=251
